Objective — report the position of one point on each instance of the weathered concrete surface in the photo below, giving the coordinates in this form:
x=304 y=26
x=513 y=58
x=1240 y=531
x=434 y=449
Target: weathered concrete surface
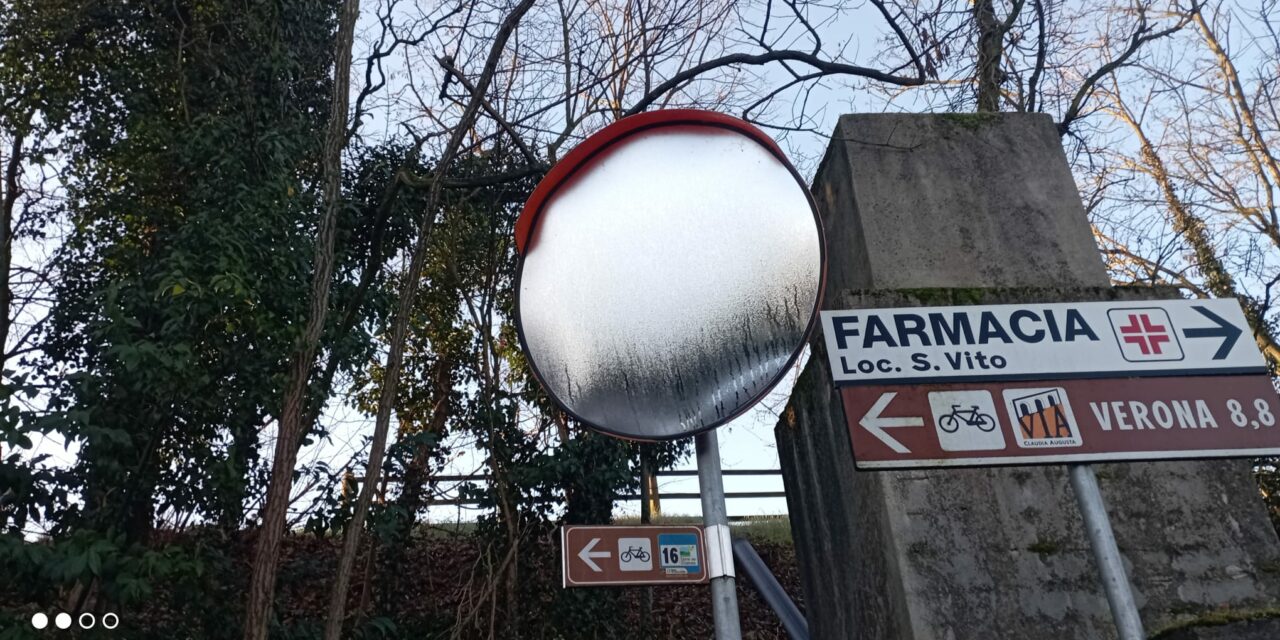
x=952 y=201
x=968 y=204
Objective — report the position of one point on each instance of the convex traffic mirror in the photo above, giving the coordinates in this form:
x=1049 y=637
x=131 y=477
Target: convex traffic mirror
x=671 y=268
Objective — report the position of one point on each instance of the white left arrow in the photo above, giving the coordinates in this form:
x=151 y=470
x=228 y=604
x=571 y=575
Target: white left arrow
x=876 y=425
x=587 y=554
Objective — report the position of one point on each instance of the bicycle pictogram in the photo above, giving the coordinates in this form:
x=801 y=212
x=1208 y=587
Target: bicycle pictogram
x=972 y=417
x=966 y=420
x=634 y=553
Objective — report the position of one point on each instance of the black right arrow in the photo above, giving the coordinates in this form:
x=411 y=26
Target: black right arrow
x=1225 y=330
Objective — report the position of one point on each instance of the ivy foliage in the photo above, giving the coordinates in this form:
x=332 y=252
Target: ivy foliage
x=190 y=154
x=188 y=149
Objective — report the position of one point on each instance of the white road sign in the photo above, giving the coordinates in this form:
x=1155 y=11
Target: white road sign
x=1036 y=341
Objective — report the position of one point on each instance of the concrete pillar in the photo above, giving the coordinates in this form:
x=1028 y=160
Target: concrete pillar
x=964 y=209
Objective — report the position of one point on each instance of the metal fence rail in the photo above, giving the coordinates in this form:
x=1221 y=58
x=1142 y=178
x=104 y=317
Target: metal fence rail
x=681 y=473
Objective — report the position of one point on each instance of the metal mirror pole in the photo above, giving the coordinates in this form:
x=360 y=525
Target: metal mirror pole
x=724 y=596
x=1105 y=552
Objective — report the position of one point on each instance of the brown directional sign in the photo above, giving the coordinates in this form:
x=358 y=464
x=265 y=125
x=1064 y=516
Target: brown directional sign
x=609 y=555
x=1054 y=422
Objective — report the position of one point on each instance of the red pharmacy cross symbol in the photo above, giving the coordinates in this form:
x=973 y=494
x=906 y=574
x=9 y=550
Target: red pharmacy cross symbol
x=1145 y=333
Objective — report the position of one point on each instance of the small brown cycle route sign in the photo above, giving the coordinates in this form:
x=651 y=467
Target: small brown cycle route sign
x=597 y=556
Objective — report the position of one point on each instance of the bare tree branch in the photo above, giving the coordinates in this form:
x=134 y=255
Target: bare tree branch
x=1142 y=35
x=827 y=67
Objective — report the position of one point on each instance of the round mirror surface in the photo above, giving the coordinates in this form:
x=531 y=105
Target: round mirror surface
x=670 y=274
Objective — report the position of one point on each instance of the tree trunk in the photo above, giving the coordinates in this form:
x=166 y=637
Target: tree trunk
x=400 y=325
x=990 y=50
x=266 y=555
x=8 y=204
x=509 y=515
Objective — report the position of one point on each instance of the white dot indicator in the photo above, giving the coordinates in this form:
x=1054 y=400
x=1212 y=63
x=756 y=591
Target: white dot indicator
x=63 y=620
x=39 y=621
x=110 y=620
x=83 y=624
